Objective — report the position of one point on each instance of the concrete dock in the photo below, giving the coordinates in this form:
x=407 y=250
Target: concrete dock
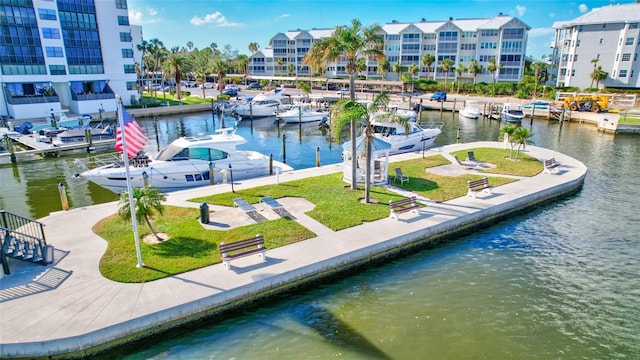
x=67 y=309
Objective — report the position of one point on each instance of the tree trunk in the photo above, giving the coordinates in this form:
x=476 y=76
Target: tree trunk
x=354 y=159
x=367 y=180
x=146 y=218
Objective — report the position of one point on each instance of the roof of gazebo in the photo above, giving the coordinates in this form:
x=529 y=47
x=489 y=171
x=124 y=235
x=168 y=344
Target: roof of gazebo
x=378 y=144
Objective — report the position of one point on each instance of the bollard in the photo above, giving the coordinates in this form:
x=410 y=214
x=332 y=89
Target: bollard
x=63 y=197
x=204 y=213
x=223 y=173
x=277 y=175
x=284 y=149
x=270 y=164
x=458 y=136
x=317 y=156
x=453 y=111
x=145 y=179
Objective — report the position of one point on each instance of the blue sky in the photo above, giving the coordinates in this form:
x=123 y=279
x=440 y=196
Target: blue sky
x=240 y=22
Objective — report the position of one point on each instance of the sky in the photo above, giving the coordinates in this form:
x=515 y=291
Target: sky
x=241 y=22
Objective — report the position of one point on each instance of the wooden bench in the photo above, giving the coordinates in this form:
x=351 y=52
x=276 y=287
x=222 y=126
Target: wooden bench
x=402 y=206
x=242 y=248
x=550 y=164
x=477 y=186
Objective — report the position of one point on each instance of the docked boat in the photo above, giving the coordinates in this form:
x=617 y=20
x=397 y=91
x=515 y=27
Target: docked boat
x=264 y=104
x=512 y=112
x=416 y=138
x=58 y=119
x=301 y=112
x=537 y=104
x=470 y=110
x=186 y=163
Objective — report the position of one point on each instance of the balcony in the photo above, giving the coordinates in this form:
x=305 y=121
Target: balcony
x=32 y=99
x=91 y=96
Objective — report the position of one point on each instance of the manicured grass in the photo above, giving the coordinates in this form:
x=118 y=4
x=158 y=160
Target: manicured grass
x=191 y=246
x=631 y=119
x=524 y=166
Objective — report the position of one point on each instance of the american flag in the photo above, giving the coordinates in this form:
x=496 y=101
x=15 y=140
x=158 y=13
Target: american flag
x=133 y=134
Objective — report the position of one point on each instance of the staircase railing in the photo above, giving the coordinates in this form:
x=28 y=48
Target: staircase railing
x=22 y=238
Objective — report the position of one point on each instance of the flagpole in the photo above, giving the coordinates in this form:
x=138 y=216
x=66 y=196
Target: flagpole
x=125 y=158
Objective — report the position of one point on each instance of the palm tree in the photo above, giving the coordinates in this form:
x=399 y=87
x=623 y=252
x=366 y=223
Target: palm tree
x=147 y=201
x=493 y=67
x=291 y=70
x=459 y=70
x=522 y=136
x=413 y=69
x=538 y=67
x=383 y=67
x=177 y=65
x=446 y=65
x=143 y=47
x=508 y=131
x=214 y=48
x=219 y=67
x=349 y=43
x=595 y=64
x=599 y=75
x=428 y=60
x=253 y=47
x=475 y=68
x=349 y=111
x=397 y=68
x=190 y=45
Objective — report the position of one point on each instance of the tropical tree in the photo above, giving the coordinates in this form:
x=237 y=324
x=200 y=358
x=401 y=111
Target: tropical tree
x=538 y=67
x=219 y=67
x=305 y=87
x=522 y=137
x=361 y=66
x=291 y=69
x=459 y=70
x=214 y=48
x=595 y=64
x=253 y=47
x=413 y=69
x=599 y=75
x=383 y=67
x=190 y=45
x=445 y=66
x=177 y=65
x=398 y=68
x=474 y=69
x=493 y=67
x=508 y=131
x=143 y=47
x=349 y=111
x=147 y=201
x=348 y=43
x=428 y=60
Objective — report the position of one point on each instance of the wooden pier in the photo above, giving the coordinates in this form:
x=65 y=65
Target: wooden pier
x=43 y=149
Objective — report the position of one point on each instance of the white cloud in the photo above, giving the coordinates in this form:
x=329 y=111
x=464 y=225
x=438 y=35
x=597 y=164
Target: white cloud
x=521 y=10
x=552 y=15
x=135 y=16
x=152 y=11
x=217 y=18
x=583 y=8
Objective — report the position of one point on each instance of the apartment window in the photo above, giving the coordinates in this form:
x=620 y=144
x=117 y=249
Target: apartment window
x=617 y=57
x=51 y=33
x=54 y=51
x=635 y=56
x=633 y=26
x=623 y=73
x=123 y=20
x=121 y=4
x=467 y=46
x=485 y=58
x=127 y=53
x=626 y=57
x=393 y=37
x=601 y=41
x=394 y=48
x=629 y=41
x=132 y=85
x=448 y=36
x=429 y=36
x=489 y=33
x=575 y=57
x=469 y=34
x=393 y=59
x=47 y=14
x=631 y=74
x=429 y=47
x=513 y=33
x=488 y=45
x=578 y=43
x=57 y=70
x=573 y=72
x=125 y=37
x=129 y=69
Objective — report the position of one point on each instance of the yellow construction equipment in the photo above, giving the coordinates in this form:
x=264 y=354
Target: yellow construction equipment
x=595 y=103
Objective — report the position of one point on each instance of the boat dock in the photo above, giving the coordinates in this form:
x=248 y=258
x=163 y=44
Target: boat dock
x=46 y=149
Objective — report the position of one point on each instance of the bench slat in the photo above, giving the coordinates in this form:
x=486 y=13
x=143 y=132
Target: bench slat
x=234 y=250
x=477 y=186
x=402 y=206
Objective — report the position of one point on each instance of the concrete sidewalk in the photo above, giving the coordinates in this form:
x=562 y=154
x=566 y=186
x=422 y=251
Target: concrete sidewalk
x=69 y=308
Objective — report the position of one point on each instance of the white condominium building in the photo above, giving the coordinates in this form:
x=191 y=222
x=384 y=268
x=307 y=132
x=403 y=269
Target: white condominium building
x=606 y=37
x=58 y=55
x=502 y=37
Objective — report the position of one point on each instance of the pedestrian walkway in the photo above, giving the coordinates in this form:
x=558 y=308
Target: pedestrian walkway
x=69 y=308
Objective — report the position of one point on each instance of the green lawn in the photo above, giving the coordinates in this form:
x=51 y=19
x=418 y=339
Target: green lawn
x=336 y=206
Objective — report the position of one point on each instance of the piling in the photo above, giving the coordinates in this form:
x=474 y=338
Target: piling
x=284 y=148
x=212 y=180
x=317 y=156
x=63 y=196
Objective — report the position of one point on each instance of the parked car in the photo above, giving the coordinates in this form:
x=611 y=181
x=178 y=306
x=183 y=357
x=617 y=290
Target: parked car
x=254 y=85
x=230 y=92
x=207 y=86
x=439 y=96
x=343 y=92
x=232 y=87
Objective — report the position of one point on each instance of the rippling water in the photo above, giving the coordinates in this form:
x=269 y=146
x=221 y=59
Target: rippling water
x=560 y=281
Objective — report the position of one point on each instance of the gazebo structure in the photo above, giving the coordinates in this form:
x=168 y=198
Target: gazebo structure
x=379 y=161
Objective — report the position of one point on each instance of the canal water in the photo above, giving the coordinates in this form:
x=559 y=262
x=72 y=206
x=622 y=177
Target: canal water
x=559 y=281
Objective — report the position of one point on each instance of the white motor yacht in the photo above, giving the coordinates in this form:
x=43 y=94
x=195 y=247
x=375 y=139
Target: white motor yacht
x=470 y=110
x=512 y=112
x=188 y=162
x=401 y=140
x=302 y=112
x=264 y=104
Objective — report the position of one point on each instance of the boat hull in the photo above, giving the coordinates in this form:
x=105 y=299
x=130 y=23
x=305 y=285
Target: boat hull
x=292 y=117
x=412 y=142
x=470 y=113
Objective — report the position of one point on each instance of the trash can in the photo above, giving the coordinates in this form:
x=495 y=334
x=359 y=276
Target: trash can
x=204 y=213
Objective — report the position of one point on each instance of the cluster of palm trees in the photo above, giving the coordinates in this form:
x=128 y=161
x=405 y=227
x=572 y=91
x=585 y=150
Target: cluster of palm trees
x=180 y=63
